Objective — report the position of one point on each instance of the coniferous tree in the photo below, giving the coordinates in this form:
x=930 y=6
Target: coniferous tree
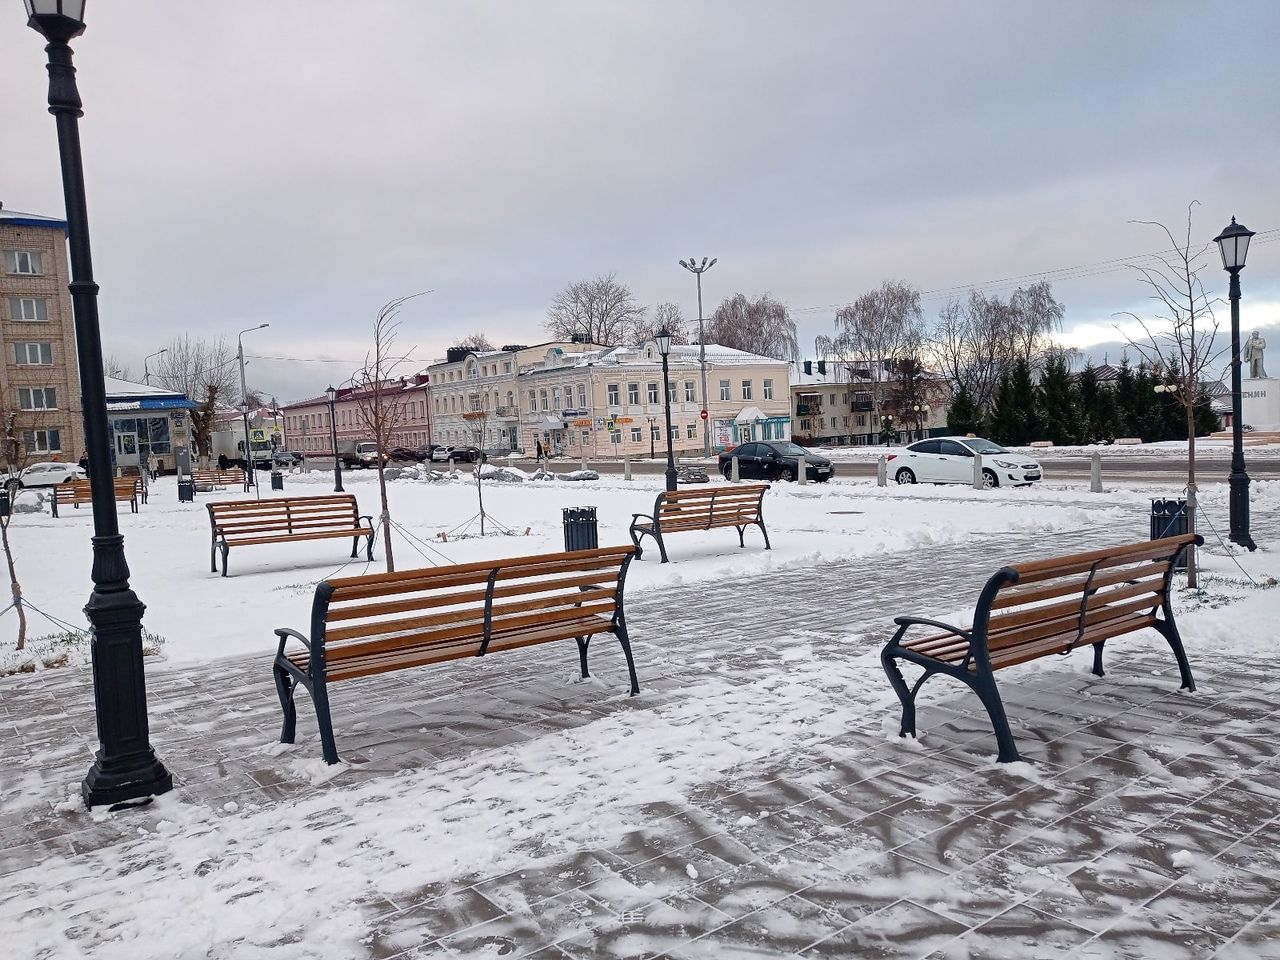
x=1128 y=415
x=1024 y=397
x=1207 y=421
x=1088 y=395
x=963 y=416
x=1058 y=403
x=1109 y=422
x=1008 y=424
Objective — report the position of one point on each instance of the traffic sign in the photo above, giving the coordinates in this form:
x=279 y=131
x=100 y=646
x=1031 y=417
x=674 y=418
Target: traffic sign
x=703 y=414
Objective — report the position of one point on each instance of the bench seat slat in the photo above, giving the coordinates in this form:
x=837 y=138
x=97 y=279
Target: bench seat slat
x=307 y=535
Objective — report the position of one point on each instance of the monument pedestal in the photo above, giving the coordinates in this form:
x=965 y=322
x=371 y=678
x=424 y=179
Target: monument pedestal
x=1260 y=404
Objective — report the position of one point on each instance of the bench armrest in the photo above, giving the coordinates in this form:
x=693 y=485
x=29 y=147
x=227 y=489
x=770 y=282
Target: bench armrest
x=365 y=516
x=906 y=622
x=286 y=634
x=637 y=516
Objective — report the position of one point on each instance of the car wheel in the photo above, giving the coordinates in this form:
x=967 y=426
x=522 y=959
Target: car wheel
x=989 y=479
x=786 y=474
x=726 y=469
x=904 y=476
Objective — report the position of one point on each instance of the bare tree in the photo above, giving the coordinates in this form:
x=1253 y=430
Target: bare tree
x=115 y=367
x=382 y=400
x=872 y=333
x=668 y=315
x=600 y=311
x=1178 y=339
x=205 y=371
x=977 y=341
x=476 y=342
x=16 y=455
x=762 y=326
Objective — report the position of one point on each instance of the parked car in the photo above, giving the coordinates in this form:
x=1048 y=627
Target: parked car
x=404 y=455
x=286 y=458
x=49 y=474
x=950 y=460
x=775 y=460
x=456 y=454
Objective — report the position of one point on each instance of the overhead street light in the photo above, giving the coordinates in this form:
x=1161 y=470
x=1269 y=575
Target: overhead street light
x=332 y=395
x=664 y=347
x=146 y=374
x=698 y=269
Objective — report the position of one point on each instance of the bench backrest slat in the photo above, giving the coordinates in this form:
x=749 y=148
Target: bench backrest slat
x=457 y=608
x=284 y=514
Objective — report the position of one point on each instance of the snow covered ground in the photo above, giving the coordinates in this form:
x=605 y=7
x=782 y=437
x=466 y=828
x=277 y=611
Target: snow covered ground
x=199 y=614
x=753 y=801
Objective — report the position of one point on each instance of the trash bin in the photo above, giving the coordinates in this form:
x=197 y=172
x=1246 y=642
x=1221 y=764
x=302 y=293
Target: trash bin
x=6 y=505
x=580 y=531
x=277 y=480
x=186 y=490
x=1169 y=519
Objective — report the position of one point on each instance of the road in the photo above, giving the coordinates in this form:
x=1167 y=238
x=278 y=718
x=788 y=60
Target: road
x=1070 y=469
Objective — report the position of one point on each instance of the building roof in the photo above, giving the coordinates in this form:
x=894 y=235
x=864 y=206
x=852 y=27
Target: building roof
x=19 y=219
x=124 y=396
x=682 y=355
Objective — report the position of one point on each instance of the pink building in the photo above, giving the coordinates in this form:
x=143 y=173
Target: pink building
x=306 y=423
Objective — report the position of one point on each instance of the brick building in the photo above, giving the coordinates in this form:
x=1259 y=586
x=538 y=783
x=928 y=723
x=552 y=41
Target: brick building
x=40 y=376
x=306 y=422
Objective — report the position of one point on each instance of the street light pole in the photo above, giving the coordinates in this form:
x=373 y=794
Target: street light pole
x=146 y=374
x=332 y=395
x=126 y=767
x=251 y=472
x=698 y=270
x=1233 y=244
x=652 y=454
x=664 y=347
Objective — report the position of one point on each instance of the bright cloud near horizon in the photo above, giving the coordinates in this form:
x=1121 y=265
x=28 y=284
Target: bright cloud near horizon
x=300 y=163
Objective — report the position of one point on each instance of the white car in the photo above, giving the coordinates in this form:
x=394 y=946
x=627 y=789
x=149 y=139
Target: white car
x=950 y=460
x=49 y=474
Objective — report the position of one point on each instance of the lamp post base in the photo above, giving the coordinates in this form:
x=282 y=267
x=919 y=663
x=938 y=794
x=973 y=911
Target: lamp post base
x=671 y=479
x=1238 y=483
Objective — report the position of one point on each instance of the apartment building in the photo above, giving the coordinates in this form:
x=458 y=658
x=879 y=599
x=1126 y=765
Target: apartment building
x=306 y=422
x=586 y=400
x=475 y=397
x=40 y=376
x=833 y=402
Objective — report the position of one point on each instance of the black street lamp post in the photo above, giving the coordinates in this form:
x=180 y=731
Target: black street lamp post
x=652 y=438
x=126 y=767
x=1233 y=244
x=664 y=347
x=331 y=395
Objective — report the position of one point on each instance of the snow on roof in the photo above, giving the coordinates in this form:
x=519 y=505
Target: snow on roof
x=118 y=389
x=18 y=218
x=682 y=354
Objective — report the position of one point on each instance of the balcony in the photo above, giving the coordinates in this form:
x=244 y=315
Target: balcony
x=808 y=409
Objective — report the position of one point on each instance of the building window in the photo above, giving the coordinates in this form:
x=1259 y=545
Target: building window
x=693 y=431
x=675 y=434
x=555 y=399
x=533 y=401
x=653 y=393
x=806 y=424
x=654 y=432
x=582 y=396
x=542 y=399
x=571 y=440
x=34 y=353
x=633 y=393
x=30 y=309
x=38 y=398
x=42 y=441
x=689 y=395
x=585 y=435
x=612 y=391
x=768 y=389
x=30 y=262
x=635 y=434
x=746 y=389
x=724 y=389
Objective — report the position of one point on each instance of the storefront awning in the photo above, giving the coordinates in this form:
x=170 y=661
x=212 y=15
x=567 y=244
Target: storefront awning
x=551 y=423
x=149 y=403
x=750 y=415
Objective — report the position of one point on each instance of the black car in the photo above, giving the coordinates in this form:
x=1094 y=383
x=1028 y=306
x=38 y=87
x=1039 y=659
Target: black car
x=404 y=455
x=286 y=458
x=456 y=454
x=775 y=460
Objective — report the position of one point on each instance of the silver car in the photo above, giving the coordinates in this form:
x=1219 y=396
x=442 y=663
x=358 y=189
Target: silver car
x=49 y=474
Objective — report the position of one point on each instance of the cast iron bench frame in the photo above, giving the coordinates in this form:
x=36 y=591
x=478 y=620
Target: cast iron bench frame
x=76 y=492
x=1058 y=604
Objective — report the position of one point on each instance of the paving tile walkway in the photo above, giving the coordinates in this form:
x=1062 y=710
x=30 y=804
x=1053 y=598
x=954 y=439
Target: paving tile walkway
x=1143 y=826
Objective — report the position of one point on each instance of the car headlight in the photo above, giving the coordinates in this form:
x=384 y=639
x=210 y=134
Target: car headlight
x=1007 y=464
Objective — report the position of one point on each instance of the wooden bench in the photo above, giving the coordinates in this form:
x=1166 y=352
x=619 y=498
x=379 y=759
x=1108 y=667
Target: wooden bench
x=245 y=523
x=1042 y=608
x=364 y=626
x=221 y=478
x=76 y=492
x=739 y=506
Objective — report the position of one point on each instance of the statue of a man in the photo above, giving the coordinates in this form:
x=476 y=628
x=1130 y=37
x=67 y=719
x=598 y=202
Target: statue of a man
x=1252 y=355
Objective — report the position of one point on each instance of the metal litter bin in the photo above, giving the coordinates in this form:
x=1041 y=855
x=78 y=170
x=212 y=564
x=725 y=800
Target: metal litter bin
x=580 y=530
x=186 y=490
x=277 y=480
x=1169 y=519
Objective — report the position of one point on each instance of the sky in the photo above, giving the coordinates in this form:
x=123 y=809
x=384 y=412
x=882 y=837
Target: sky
x=300 y=163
